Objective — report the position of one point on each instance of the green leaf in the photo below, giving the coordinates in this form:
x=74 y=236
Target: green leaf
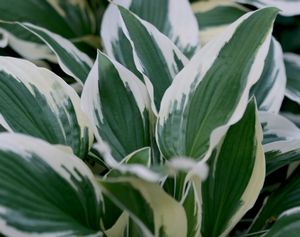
x=198 y=107
x=132 y=230
x=112 y=93
x=285 y=197
x=110 y=216
x=281 y=141
x=135 y=164
x=120 y=227
x=288 y=224
x=115 y=43
x=169 y=17
x=70 y=19
x=147 y=51
x=237 y=171
x=155 y=55
x=29 y=50
x=45 y=191
x=140 y=157
x=214 y=16
x=181 y=176
x=185 y=187
x=270 y=89
x=153 y=210
x=286 y=7
x=192 y=204
x=277 y=128
x=72 y=61
x=37 y=102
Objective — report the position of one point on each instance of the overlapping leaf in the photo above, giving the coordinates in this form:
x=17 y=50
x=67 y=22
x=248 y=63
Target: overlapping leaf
x=185 y=187
x=115 y=43
x=72 y=61
x=237 y=171
x=287 y=196
x=117 y=104
x=45 y=191
x=288 y=224
x=154 y=54
x=169 y=16
x=281 y=141
x=137 y=166
x=153 y=210
x=192 y=204
x=287 y=7
x=198 y=107
x=70 y=19
x=37 y=102
x=269 y=91
x=214 y=16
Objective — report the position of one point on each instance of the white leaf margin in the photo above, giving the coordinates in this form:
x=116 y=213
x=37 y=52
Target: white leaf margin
x=167 y=47
x=79 y=56
x=90 y=98
x=202 y=61
x=46 y=82
x=180 y=15
x=65 y=164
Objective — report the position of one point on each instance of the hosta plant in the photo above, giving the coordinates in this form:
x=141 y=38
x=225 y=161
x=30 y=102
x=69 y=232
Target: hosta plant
x=150 y=131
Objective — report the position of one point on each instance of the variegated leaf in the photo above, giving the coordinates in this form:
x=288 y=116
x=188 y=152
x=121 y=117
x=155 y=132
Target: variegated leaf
x=237 y=172
x=111 y=214
x=111 y=94
x=153 y=210
x=169 y=16
x=37 y=102
x=292 y=65
x=185 y=187
x=45 y=191
x=110 y=218
x=120 y=227
x=140 y=157
x=154 y=55
x=115 y=43
x=26 y=49
x=132 y=230
x=270 y=89
x=192 y=204
x=72 y=61
x=277 y=128
x=214 y=16
x=72 y=19
x=137 y=164
x=281 y=141
x=286 y=7
x=198 y=108
x=285 y=197
x=288 y=224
